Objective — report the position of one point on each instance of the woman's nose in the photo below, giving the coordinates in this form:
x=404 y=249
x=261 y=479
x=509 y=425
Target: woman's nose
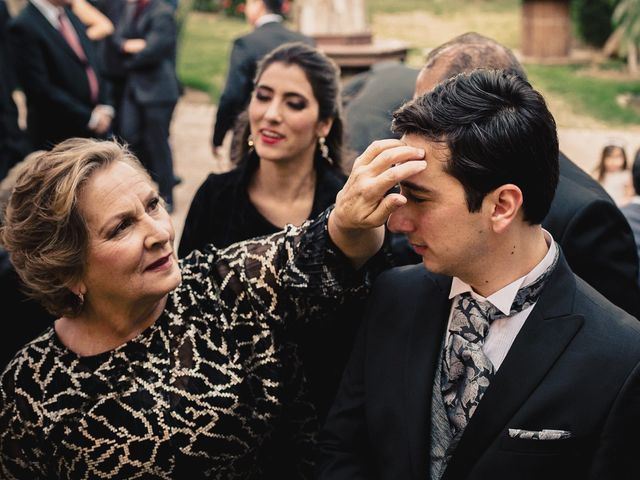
x=273 y=113
x=158 y=233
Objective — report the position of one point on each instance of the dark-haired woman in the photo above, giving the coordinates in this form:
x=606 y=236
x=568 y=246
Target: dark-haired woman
x=289 y=160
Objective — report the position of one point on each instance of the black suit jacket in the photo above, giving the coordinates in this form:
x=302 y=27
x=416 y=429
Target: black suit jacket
x=245 y=53
x=150 y=73
x=575 y=366
x=595 y=237
x=371 y=97
x=53 y=77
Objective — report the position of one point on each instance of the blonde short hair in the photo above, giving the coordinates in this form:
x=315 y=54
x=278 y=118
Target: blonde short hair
x=43 y=229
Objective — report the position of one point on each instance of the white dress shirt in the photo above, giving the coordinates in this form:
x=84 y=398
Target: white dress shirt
x=268 y=18
x=49 y=11
x=502 y=332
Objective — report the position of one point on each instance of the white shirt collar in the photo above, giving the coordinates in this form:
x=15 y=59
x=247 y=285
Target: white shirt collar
x=50 y=12
x=268 y=18
x=503 y=298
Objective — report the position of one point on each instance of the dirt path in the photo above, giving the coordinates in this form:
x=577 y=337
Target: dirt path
x=191 y=139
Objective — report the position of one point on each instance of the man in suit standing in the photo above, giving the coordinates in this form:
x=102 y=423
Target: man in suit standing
x=266 y=18
x=371 y=97
x=632 y=210
x=143 y=50
x=583 y=219
x=13 y=142
x=495 y=361
x=57 y=69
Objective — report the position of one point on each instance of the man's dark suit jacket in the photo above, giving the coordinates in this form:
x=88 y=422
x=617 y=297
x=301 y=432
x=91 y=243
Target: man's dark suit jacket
x=595 y=237
x=151 y=73
x=245 y=53
x=371 y=97
x=53 y=78
x=574 y=366
x=632 y=214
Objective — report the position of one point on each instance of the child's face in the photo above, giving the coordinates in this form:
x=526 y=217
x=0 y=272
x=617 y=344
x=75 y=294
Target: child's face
x=614 y=162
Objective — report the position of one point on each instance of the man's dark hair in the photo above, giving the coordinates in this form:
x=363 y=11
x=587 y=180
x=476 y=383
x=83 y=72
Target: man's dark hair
x=273 y=6
x=635 y=172
x=498 y=130
x=471 y=50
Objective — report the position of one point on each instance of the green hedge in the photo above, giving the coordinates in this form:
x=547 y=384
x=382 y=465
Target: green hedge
x=592 y=19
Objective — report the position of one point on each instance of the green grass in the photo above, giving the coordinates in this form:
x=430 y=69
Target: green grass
x=204 y=51
x=587 y=94
x=206 y=42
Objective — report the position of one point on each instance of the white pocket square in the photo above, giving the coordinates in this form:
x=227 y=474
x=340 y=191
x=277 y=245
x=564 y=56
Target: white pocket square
x=546 y=434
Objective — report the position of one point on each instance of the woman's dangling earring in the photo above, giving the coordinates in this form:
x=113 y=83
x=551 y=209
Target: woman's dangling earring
x=324 y=150
x=250 y=141
x=80 y=298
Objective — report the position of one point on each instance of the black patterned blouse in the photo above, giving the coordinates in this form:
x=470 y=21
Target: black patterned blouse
x=211 y=390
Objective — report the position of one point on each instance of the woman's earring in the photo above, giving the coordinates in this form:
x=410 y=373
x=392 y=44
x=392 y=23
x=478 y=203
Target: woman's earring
x=80 y=298
x=250 y=141
x=324 y=150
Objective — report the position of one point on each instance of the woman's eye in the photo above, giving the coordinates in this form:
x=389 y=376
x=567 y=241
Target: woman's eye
x=262 y=97
x=154 y=204
x=122 y=226
x=300 y=105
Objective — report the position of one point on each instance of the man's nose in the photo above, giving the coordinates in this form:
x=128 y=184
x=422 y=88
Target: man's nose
x=399 y=221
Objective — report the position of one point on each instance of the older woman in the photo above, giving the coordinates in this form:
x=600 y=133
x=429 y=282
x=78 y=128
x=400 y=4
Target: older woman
x=160 y=369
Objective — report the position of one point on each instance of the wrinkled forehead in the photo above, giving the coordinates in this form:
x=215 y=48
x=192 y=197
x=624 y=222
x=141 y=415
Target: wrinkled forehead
x=111 y=187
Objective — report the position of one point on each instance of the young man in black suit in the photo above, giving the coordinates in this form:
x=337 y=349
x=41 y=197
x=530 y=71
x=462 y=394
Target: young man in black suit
x=495 y=361
x=583 y=219
x=58 y=70
x=266 y=18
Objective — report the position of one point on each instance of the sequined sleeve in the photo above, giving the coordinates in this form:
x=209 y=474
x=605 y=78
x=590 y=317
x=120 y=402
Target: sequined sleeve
x=294 y=274
x=21 y=452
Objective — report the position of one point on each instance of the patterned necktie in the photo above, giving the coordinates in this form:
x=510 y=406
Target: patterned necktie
x=466 y=370
x=69 y=34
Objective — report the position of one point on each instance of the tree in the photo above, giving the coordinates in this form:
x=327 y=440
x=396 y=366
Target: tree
x=626 y=17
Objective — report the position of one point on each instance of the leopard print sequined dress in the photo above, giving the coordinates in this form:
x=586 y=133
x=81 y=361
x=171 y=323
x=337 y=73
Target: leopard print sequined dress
x=212 y=389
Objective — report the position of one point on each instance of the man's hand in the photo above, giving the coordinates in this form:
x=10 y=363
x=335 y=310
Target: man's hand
x=134 y=45
x=102 y=122
x=356 y=225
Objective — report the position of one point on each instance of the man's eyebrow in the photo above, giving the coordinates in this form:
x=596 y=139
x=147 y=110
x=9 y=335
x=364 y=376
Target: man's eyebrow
x=415 y=187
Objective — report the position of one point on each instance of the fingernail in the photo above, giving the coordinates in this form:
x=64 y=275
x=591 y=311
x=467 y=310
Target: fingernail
x=421 y=152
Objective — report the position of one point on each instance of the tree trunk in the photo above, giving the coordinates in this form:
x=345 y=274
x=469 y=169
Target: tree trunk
x=632 y=59
x=612 y=45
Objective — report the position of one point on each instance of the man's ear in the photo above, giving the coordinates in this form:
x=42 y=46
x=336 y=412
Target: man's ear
x=506 y=205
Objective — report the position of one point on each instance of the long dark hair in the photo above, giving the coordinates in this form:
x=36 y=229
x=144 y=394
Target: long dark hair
x=323 y=75
x=606 y=151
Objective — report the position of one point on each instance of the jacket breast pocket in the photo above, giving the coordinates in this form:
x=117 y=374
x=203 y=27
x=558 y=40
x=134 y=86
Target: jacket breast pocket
x=539 y=447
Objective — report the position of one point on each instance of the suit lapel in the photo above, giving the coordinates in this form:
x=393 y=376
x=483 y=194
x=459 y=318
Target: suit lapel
x=543 y=338
x=431 y=312
x=52 y=32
